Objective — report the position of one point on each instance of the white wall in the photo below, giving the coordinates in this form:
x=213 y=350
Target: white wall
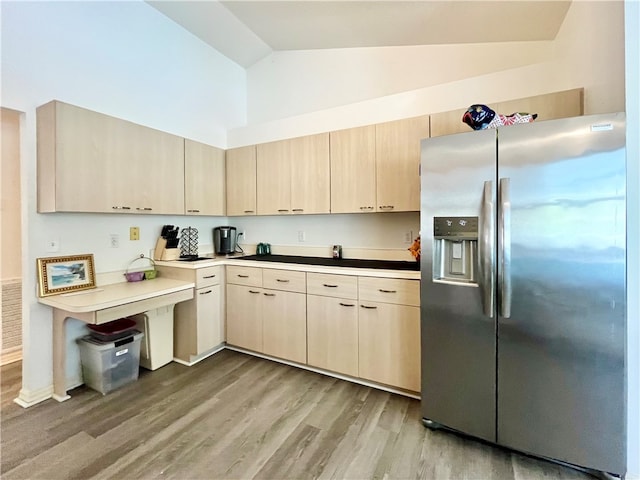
x=290 y=83
x=589 y=53
x=121 y=58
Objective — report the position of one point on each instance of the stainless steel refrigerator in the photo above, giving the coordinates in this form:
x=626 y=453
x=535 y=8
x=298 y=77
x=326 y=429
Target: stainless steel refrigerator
x=523 y=304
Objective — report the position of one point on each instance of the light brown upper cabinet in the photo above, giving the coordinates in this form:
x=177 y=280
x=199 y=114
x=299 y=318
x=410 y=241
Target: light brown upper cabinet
x=241 y=181
x=90 y=162
x=353 y=170
x=568 y=103
x=398 y=164
x=293 y=176
x=204 y=179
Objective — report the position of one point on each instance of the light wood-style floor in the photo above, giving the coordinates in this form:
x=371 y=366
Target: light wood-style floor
x=233 y=416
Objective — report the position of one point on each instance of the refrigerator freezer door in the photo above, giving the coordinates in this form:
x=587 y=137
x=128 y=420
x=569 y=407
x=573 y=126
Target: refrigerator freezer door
x=561 y=364
x=458 y=339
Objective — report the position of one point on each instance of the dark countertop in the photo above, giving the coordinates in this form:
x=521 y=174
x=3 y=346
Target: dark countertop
x=330 y=262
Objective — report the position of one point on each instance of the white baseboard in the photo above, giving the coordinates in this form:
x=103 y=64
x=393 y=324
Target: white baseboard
x=199 y=358
x=28 y=398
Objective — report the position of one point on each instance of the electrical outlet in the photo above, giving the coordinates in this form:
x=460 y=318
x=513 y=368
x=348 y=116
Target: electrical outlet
x=134 y=233
x=301 y=236
x=408 y=236
x=114 y=240
x=242 y=236
x=53 y=246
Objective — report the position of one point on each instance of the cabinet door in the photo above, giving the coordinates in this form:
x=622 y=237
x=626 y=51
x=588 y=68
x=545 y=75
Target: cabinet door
x=75 y=160
x=353 y=170
x=273 y=178
x=204 y=179
x=284 y=325
x=310 y=174
x=550 y=106
x=209 y=316
x=241 y=180
x=244 y=317
x=90 y=162
x=332 y=334
x=155 y=164
x=389 y=344
x=398 y=164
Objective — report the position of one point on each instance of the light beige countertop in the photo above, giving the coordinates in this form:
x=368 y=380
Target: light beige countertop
x=115 y=294
x=300 y=267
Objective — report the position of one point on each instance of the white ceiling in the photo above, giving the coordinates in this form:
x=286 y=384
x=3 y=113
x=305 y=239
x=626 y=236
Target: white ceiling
x=247 y=31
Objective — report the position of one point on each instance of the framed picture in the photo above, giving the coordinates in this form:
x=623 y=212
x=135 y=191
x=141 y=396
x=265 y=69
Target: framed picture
x=65 y=274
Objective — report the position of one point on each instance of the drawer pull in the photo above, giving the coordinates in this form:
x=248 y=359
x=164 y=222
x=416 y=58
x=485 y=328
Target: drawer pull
x=269 y=294
x=193 y=210
x=144 y=209
x=248 y=211
x=369 y=307
x=387 y=291
x=209 y=276
x=329 y=285
x=204 y=293
x=243 y=276
x=253 y=291
x=283 y=210
x=386 y=207
x=282 y=281
x=115 y=207
x=298 y=209
x=347 y=304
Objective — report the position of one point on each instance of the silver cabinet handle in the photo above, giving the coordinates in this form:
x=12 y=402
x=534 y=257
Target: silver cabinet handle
x=193 y=210
x=204 y=293
x=209 y=276
x=386 y=207
x=253 y=291
x=243 y=276
x=281 y=280
x=504 y=247
x=369 y=307
x=269 y=294
x=347 y=304
x=387 y=291
x=248 y=211
x=329 y=286
x=118 y=207
x=144 y=209
x=282 y=210
x=487 y=250
x=298 y=210
x=366 y=208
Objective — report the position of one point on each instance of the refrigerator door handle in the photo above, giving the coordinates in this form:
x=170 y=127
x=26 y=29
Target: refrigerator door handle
x=487 y=250
x=504 y=247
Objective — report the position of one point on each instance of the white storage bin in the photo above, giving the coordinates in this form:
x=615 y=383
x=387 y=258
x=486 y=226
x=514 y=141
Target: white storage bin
x=109 y=365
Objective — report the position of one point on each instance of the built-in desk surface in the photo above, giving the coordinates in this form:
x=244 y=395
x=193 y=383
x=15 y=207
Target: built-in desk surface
x=104 y=304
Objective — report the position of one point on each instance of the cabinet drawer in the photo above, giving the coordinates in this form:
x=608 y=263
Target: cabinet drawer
x=342 y=286
x=288 y=280
x=250 y=276
x=389 y=290
x=208 y=276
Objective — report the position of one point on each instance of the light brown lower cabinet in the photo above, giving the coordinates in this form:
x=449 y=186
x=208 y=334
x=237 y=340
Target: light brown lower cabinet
x=389 y=344
x=268 y=320
x=332 y=333
x=244 y=317
x=329 y=321
x=284 y=329
x=198 y=325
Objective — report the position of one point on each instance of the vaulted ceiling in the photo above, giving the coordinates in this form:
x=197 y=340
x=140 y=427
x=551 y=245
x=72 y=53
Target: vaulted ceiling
x=248 y=31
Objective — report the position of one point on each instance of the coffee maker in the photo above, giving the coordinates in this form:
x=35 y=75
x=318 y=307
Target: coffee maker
x=224 y=240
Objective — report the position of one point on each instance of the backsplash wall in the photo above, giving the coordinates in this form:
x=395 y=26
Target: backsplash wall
x=371 y=230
